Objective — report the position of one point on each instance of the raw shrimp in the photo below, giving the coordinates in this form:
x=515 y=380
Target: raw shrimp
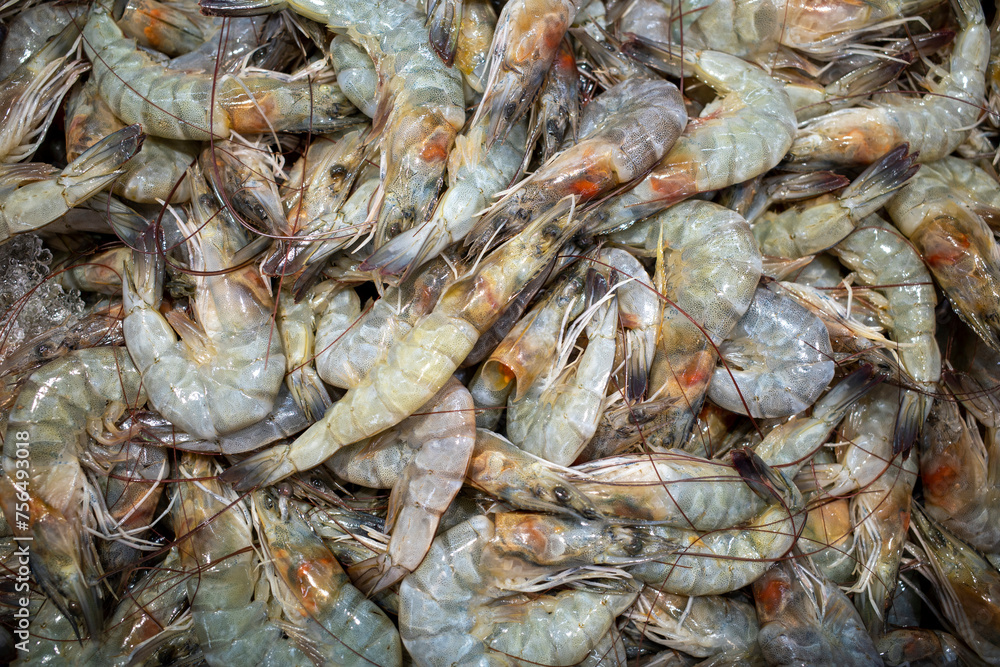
x=357 y=75
x=555 y=116
x=745 y=132
x=349 y=343
x=776 y=361
x=564 y=405
x=53 y=411
x=881 y=258
x=472 y=51
x=623 y=133
x=100 y=273
x=709 y=270
x=31 y=95
x=959 y=474
x=476 y=174
x=161 y=26
x=700 y=626
x=638 y=314
x=341 y=625
x=881 y=510
x=156 y=174
x=420 y=105
x=955 y=242
x=225 y=371
x=419 y=364
x=806 y=620
x=817 y=224
x=525 y=42
x=31 y=29
x=967 y=586
x=828 y=539
x=914 y=645
x=690 y=492
x=723 y=561
x=436 y=444
x=446 y=618
x=504 y=470
x=243 y=177
x=33 y=195
x=296 y=325
x=216 y=549
x=934 y=125
x=172 y=104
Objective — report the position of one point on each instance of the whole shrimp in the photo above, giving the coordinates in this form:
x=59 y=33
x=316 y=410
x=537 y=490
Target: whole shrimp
x=446 y=616
x=959 y=475
x=776 y=361
x=955 y=242
x=708 y=268
x=172 y=104
x=53 y=411
x=806 y=619
x=231 y=623
x=559 y=412
x=815 y=225
x=341 y=625
x=419 y=364
x=423 y=459
x=32 y=195
x=725 y=560
x=933 y=125
x=623 y=132
x=420 y=105
x=881 y=258
x=225 y=371
x=745 y=132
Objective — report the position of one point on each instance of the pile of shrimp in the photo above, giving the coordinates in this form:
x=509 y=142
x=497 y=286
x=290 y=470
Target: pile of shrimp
x=554 y=332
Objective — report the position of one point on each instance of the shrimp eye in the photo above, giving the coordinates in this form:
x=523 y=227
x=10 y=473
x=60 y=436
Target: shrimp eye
x=509 y=110
x=269 y=502
x=561 y=494
x=338 y=171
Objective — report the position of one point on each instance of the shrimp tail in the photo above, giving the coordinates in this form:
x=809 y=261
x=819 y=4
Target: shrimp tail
x=444 y=18
x=880 y=181
x=866 y=80
x=403 y=253
x=848 y=391
x=259 y=470
x=373 y=575
x=760 y=477
x=908 y=421
x=241 y=7
x=100 y=164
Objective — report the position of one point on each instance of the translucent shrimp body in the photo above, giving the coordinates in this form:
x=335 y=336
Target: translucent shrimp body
x=427 y=456
x=709 y=270
x=53 y=411
x=342 y=625
x=180 y=105
x=417 y=366
x=779 y=357
x=623 y=132
x=934 y=125
x=225 y=371
x=445 y=617
x=745 y=132
x=420 y=106
x=955 y=242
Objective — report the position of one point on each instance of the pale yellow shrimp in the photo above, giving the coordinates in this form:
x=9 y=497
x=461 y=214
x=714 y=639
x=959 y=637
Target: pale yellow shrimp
x=424 y=460
x=745 y=132
x=296 y=325
x=33 y=195
x=933 y=125
x=418 y=365
x=172 y=104
x=225 y=371
x=45 y=493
